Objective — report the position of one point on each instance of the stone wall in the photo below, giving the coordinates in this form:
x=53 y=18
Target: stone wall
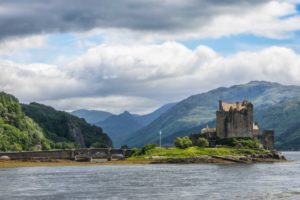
x=235 y=122
x=268 y=139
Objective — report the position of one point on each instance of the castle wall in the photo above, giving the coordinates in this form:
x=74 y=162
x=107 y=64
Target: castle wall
x=268 y=139
x=235 y=122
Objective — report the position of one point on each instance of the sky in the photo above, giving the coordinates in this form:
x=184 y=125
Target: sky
x=137 y=55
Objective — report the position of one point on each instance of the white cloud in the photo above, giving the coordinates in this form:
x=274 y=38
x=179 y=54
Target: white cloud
x=115 y=104
x=14 y=45
x=137 y=78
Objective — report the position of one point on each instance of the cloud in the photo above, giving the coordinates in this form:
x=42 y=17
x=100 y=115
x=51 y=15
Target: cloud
x=11 y=46
x=150 y=20
x=37 y=82
x=114 y=104
x=142 y=77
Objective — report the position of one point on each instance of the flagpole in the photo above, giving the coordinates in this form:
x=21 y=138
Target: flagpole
x=160 y=138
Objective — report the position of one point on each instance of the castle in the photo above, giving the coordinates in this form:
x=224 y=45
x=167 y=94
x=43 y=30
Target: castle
x=236 y=120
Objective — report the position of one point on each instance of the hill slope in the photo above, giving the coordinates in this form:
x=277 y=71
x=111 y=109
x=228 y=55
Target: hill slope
x=63 y=127
x=92 y=116
x=17 y=131
x=119 y=125
x=148 y=118
x=284 y=118
x=200 y=109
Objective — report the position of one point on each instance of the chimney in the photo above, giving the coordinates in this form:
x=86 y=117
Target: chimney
x=220 y=105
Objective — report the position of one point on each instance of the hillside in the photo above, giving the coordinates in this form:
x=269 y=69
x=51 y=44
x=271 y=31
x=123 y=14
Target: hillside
x=200 y=109
x=148 y=118
x=284 y=118
x=119 y=125
x=91 y=116
x=17 y=131
x=62 y=127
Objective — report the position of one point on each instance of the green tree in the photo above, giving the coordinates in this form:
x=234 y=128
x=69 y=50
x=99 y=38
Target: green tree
x=202 y=142
x=183 y=142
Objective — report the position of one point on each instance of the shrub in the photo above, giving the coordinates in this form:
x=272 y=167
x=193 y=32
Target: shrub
x=64 y=145
x=202 y=142
x=135 y=151
x=183 y=142
x=98 y=145
x=240 y=142
x=147 y=147
x=124 y=147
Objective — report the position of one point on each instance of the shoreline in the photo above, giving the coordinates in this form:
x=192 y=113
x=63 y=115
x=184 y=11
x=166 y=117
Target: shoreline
x=190 y=160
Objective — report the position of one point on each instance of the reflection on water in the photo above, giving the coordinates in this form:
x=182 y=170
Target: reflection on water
x=197 y=181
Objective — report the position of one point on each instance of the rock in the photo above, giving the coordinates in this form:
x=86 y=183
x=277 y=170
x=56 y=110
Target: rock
x=4 y=158
x=278 y=155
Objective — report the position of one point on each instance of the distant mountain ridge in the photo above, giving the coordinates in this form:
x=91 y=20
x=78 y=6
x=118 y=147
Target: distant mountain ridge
x=200 y=109
x=120 y=127
x=92 y=116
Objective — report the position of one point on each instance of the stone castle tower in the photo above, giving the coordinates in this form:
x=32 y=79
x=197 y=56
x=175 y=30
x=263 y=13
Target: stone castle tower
x=235 y=120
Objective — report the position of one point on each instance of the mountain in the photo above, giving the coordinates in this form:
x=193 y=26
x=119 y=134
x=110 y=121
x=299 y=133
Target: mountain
x=120 y=127
x=284 y=118
x=200 y=109
x=17 y=131
x=92 y=116
x=148 y=118
x=63 y=127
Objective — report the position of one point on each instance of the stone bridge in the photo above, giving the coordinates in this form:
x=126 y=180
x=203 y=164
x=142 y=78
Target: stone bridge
x=76 y=154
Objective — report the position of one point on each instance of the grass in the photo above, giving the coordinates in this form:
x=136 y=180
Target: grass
x=197 y=151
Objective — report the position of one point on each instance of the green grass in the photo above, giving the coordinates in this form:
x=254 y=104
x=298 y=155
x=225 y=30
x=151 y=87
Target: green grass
x=197 y=151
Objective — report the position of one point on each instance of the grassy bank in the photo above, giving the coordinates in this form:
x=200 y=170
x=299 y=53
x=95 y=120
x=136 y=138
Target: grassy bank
x=196 y=151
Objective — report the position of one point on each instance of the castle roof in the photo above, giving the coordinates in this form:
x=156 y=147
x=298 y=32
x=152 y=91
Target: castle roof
x=208 y=130
x=234 y=106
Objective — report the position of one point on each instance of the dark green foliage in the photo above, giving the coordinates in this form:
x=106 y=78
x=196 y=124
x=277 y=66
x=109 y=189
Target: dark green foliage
x=65 y=129
x=124 y=147
x=240 y=142
x=64 y=145
x=146 y=148
x=99 y=145
x=183 y=142
x=17 y=131
x=202 y=142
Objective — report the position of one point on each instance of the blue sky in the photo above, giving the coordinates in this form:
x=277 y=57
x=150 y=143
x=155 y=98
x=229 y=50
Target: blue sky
x=138 y=55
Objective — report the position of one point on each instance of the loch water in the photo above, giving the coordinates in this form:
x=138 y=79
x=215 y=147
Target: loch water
x=182 y=181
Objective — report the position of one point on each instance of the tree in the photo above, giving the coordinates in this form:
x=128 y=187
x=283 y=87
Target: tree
x=202 y=142
x=183 y=142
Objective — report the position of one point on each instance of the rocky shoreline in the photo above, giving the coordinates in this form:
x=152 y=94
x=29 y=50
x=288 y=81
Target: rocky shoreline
x=272 y=157
x=247 y=159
